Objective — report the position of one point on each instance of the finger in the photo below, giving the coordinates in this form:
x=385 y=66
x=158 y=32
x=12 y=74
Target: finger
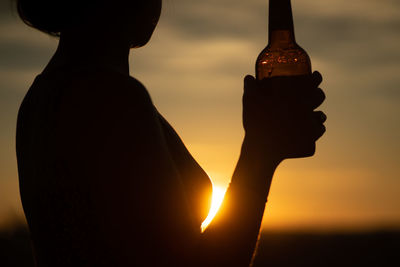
x=316 y=78
x=320 y=130
x=249 y=85
x=293 y=88
x=315 y=98
x=319 y=117
x=249 y=81
x=283 y=84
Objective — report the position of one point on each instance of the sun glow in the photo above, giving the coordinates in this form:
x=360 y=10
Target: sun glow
x=217 y=197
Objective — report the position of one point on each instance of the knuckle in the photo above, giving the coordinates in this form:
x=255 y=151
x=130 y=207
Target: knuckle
x=317 y=77
x=323 y=130
x=322 y=94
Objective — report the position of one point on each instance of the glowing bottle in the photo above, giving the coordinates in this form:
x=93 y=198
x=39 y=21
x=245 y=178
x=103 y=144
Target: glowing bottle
x=283 y=56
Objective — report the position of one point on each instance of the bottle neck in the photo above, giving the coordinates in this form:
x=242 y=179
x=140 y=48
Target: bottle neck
x=281 y=27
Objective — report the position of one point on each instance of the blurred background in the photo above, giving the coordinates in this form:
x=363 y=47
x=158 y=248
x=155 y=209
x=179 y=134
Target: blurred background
x=322 y=211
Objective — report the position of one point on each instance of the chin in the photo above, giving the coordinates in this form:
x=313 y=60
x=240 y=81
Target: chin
x=140 y=44
x=142 y=41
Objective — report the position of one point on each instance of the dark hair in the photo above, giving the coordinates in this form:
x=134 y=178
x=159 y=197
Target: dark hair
x=54 y=16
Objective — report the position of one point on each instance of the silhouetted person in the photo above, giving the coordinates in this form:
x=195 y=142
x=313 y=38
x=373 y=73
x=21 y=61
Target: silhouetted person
x=106 y=181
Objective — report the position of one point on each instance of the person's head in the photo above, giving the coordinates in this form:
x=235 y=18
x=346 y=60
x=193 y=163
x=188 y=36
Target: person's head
x=131 y=20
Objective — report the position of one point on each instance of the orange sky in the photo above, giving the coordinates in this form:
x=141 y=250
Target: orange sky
x=193 y=69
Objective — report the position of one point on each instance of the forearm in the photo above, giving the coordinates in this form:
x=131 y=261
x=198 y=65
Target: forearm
x=231 y=237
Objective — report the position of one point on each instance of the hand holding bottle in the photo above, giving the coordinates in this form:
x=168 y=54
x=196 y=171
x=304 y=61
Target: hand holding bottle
x=279 y=117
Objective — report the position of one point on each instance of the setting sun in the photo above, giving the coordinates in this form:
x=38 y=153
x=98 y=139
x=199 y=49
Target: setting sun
x=217 y=197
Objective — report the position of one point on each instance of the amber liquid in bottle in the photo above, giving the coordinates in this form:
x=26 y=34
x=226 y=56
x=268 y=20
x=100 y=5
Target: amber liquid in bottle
x=283 y=56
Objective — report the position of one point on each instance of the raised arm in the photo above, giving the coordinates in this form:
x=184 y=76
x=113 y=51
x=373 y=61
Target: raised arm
x=116 y=147
x=280 y=123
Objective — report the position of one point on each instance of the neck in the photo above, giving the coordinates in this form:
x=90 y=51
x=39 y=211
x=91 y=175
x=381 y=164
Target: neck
x=85 y=50
x=281 y=21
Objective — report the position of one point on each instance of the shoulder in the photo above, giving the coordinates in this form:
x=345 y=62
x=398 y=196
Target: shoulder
x=108 y=85
x=100 y=93
x=105 y=102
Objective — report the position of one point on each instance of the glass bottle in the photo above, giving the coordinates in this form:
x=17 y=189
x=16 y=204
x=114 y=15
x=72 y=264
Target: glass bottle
x=283 y=56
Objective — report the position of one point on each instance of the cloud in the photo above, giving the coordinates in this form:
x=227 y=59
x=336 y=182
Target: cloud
x=214 y=19
x=7 y=10
x=23 y=56
x=368 y=10
x=354 y=41
x=197 y=58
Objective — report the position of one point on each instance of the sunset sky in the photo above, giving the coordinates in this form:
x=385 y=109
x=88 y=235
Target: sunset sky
x=194 y=68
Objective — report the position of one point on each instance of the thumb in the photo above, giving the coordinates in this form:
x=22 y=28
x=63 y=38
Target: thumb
x=249 y=82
